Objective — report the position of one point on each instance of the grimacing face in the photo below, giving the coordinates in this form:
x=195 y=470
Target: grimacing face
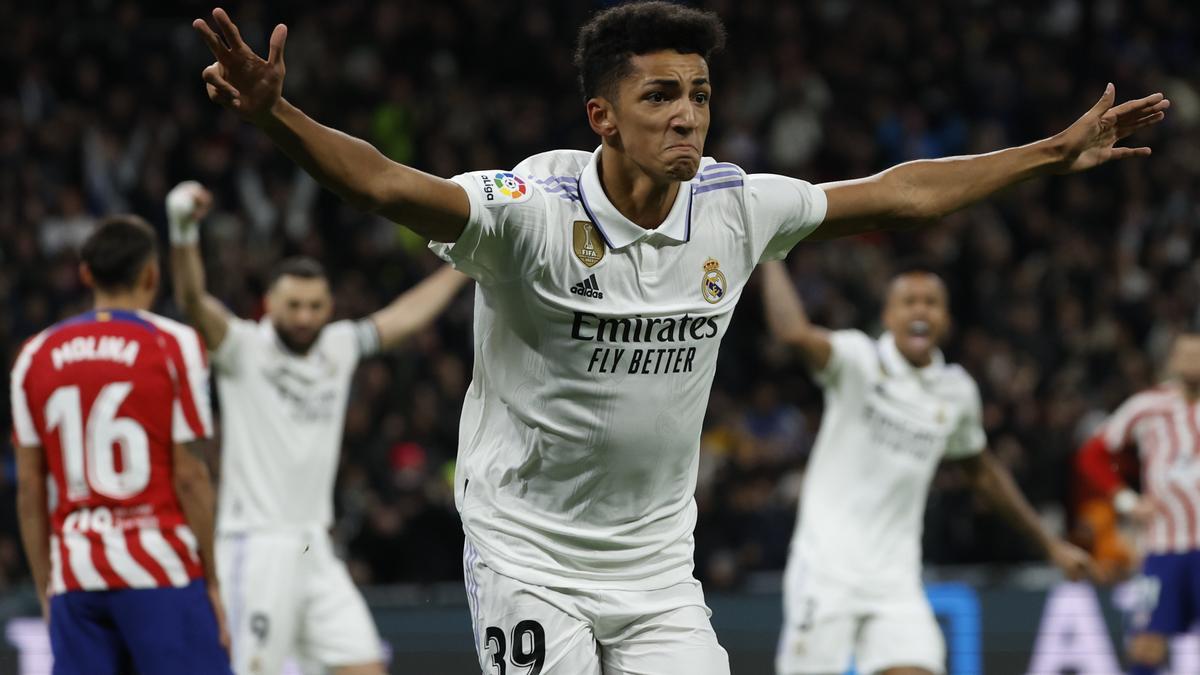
x=1185 y=359
x=299 y=308
x=917 y=314
x=661 y=113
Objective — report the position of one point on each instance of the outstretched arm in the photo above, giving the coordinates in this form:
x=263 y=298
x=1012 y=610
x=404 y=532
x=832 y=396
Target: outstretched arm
x=432 y=207
x=787 y=320
x=991 y=479
x=187 y=204
x=417 y=308
x=915 y=192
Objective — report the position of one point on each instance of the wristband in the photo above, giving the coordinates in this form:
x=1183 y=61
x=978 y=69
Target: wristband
x=1125 y=501
x=181 y=207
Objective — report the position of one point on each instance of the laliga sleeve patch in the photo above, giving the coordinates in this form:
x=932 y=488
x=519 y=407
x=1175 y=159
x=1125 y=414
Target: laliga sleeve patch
x=499 y=188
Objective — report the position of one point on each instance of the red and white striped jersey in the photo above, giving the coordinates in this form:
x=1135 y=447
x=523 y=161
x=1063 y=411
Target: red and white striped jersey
x=107 y=394
x=1165 y=428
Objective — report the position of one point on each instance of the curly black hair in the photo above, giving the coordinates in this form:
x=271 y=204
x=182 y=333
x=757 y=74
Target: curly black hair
x=607 y=41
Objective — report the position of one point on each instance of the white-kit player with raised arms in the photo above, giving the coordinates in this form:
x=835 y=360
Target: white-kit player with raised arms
x=283 y=383
x=607 y=280
x=894 y=409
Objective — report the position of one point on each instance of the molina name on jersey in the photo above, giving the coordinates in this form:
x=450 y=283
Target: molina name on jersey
x=595 y=347
x=107 y=395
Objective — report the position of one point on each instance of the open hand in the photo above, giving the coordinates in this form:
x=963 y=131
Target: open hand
x=1091 y=139
x=240 y=80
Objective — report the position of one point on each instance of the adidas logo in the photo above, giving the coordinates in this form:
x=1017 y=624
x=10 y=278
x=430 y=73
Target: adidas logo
x=588 y=288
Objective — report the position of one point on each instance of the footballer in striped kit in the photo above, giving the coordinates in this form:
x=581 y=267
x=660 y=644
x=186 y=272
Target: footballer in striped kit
x=109 y=404
x=1163 y=424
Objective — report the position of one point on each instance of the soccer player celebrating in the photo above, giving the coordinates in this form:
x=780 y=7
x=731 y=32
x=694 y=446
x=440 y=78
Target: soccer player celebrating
x=284 y=383
x=607 y=280
x=110 y=404
x=894 y=409
x=1164 y=425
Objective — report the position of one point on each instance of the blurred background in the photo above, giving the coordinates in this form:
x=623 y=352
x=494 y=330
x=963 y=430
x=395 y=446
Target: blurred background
x=1065 y=291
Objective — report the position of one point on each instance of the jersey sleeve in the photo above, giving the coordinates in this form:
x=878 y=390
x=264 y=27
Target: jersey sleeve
x=366 y=338
x=505 y=236
x=1117 y=431
x=227 y=357
x=782 y=211
x=351 y=340
x=192 y=408
x=968 y=438
x=24 y=431
x=852 y=359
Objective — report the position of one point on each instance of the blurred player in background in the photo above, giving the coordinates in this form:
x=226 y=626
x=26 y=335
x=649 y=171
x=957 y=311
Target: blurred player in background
x=606 y=282
x=110 y=404
x=283 y=383
x=894 y=409
x=1164 y=425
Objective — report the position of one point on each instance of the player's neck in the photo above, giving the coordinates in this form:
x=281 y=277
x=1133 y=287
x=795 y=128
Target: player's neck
x=920 y=361
x=639 y=197
x=1190 y=392
x=130 y=302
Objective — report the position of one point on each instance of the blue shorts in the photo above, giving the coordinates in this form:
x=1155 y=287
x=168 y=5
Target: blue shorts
x=1169 y=593
x=152 y=630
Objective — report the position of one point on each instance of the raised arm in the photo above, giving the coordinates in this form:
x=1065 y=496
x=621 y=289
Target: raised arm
x=990 y=478
x=916 y=192
x=432 y=207
x=787 y=320
x=417 y=308
x=187 y=204
x=34 y=518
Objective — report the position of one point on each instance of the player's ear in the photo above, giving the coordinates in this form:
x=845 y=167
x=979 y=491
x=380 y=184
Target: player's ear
x=601 y=117
x=85 y=275
x=151 y=275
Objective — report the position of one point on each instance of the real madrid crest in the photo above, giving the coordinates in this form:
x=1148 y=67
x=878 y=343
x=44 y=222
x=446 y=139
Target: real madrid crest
x=712 y=285
x=587 y=243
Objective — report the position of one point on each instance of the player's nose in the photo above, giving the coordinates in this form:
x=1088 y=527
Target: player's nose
x=684 y=118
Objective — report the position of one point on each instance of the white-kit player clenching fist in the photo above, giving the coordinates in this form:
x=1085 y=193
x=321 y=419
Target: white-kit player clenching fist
x=580 y=435
x=894 y=409
x=283 y=384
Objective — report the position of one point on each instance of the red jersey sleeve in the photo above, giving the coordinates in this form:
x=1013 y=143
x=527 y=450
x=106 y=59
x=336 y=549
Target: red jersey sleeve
x=1098 y=465
x=25 y=432
x=192 y=407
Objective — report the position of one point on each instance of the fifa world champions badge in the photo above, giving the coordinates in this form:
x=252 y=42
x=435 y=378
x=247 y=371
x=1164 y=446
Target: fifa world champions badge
x=713 y=284
x=586 y=242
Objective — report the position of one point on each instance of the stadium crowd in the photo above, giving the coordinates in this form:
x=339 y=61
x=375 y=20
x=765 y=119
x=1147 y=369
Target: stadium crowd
x=1064 y=292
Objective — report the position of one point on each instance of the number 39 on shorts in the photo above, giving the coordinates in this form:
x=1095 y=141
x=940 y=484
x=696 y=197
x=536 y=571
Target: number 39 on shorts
x=528 y=649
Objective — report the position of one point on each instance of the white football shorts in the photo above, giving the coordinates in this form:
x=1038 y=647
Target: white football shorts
x=522 y=627
x=828 y=624
x=288 y=594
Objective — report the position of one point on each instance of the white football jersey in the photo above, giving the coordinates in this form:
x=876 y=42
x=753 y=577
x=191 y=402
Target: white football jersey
x=886 y=426
x=595 y=347
x=281 y=422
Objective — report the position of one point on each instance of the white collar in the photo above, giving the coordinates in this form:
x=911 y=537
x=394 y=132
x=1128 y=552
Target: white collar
x=894 y=362
x=619 y=231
